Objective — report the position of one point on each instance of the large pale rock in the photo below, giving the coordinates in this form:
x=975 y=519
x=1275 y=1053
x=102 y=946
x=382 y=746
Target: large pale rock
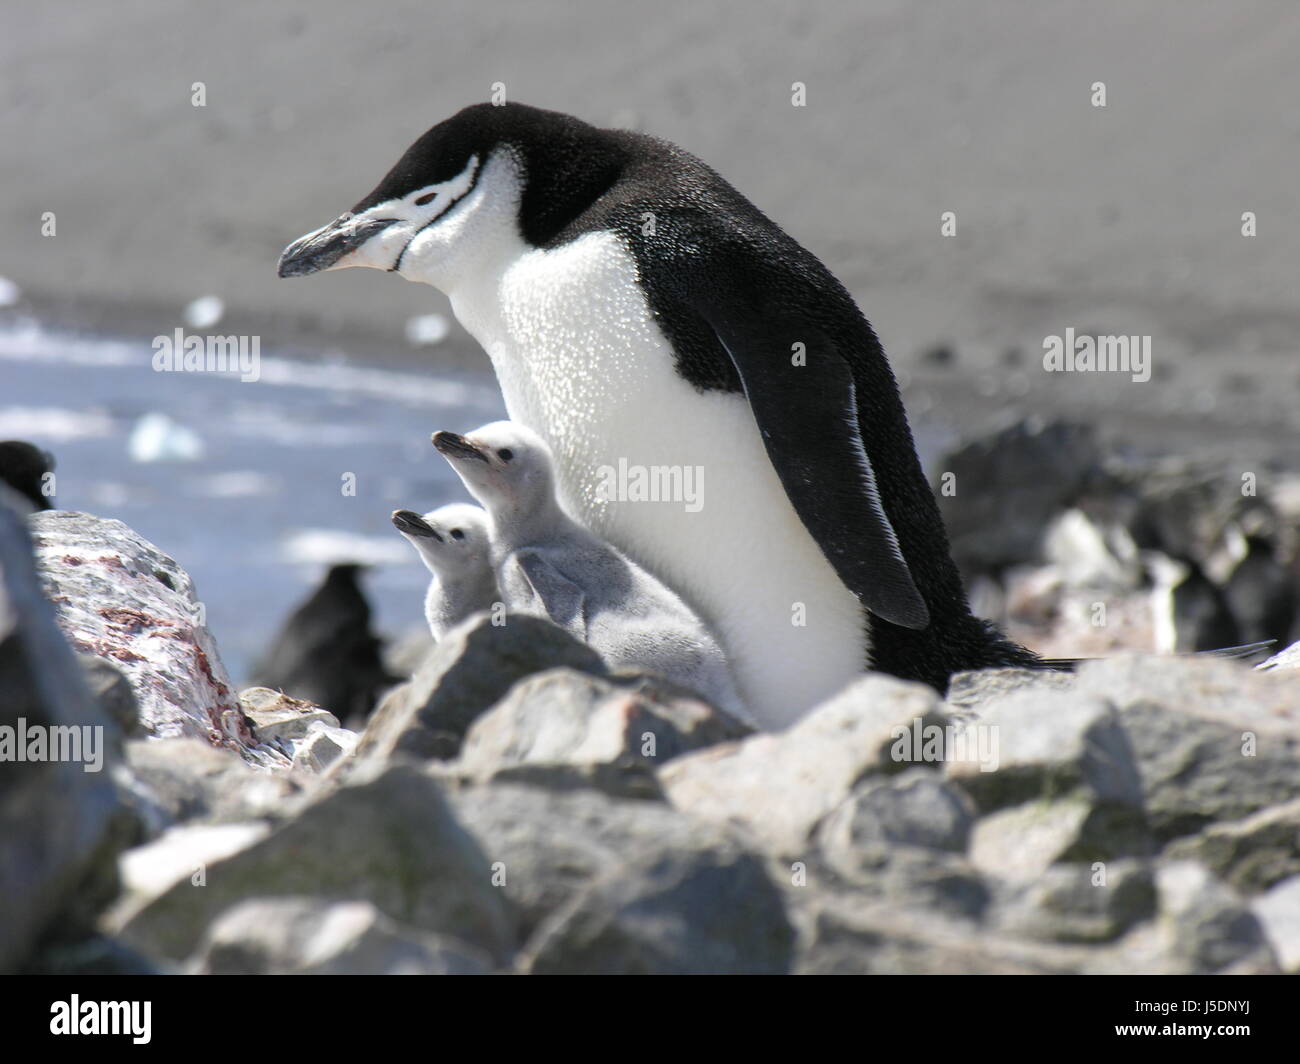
x=387 y=838
x=564 y=727
x=915 y=809
x=182 y=780
x=1286 y=660
x=777 y=786
x=60 y=825
x=548 y=846
x=118 y=597
x=1080 y=903
x=1251 y=854
x=1020 y=843
x=275 y=715
x=1045 y=744
x=1278 y=912
x=1205 y=924
x=1214 y=740
x=305 y=936
x=472 y=668
x=696 y=911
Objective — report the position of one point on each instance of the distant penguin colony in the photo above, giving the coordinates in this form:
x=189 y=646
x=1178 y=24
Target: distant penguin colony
x=453 y=544
x=548 y=565
x=641 y=313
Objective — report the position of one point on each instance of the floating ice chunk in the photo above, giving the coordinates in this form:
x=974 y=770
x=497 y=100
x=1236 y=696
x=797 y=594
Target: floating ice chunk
x=10 y=293
x=204 y=312
x=327 y=546
x=424 y=330
x=157 y=438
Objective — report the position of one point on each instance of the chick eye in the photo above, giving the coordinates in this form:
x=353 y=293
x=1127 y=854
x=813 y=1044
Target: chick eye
x=426 y=199
x=505 y=454
x=456 y=533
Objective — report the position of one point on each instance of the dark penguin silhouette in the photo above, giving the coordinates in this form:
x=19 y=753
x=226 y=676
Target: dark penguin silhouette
x=641 y=313
x=1261 y=593
x=23 y=467
x=326 y=652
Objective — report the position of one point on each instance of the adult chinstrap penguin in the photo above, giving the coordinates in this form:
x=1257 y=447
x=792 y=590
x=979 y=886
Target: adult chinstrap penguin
x=640 y=312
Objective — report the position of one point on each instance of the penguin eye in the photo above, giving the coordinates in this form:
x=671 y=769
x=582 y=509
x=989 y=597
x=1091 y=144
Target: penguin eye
x=426 y=199
x=505 y=454
x=456 y=533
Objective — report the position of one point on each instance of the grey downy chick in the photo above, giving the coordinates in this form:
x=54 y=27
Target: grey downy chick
x=452 y=541
x=549 y=565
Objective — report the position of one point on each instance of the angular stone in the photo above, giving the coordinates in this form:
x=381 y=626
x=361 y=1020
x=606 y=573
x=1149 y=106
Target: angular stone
x=186 y=780
x=1278 y=912
x=777 y=786
x=1214 y=740
x=700 y=911
x=277 y=716
x=1205 y=923
x=1080 y=903
x=472 y=668
x=1019 y=844
x=562 y=725
x=118 y=597
x=1251 y=854
x=321 y=747
x=387 y=838
x=306 y=936
x=913 y=809
x=1048 y=744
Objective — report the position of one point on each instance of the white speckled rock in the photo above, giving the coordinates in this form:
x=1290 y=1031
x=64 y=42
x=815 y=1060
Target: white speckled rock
x=118 y=597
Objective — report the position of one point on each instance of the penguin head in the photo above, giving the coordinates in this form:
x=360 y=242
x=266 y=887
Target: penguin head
x=471 y=189
x=452 y=541
x=506 y=466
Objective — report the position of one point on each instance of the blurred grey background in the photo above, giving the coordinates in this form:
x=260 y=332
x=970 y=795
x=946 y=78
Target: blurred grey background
x=1129 y=213
x=1124 y=219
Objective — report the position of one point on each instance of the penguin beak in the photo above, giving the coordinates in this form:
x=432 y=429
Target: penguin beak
x=412 y=524
x=452 y=446
x=326 y=246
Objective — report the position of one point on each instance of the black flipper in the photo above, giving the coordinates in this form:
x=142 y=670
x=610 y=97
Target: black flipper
x=807 y=415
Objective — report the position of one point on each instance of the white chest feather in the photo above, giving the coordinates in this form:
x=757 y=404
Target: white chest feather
x=581 y=361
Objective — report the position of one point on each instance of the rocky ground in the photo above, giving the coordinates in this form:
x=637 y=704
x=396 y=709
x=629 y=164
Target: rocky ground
x=513 y=807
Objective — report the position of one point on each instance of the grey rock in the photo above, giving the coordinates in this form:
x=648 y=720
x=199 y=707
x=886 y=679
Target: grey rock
x=699 y=911
x=1214 y=740
x=914 y=809
x=1080 y=903
x=1044 y=745
x=306 y=936
x=472 y=668
x=277 y=716
x=322 y=747
x=972 y=690
x=118 y=597
x=547 y=847
x=186 y=780
x=387 y=838
x=112 y=690
x=1205 y=924
x=564 y=725
x=60 y=825
x=849 y=934
x=1278 y=912
x=1020 y=843
x=776 y=787
x=1251 y=854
